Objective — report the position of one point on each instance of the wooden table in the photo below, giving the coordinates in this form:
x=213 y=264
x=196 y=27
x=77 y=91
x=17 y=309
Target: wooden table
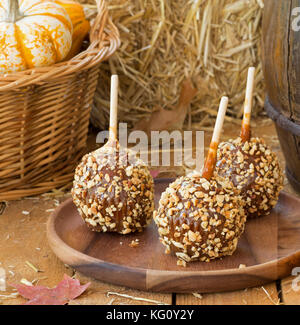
x=23 y=242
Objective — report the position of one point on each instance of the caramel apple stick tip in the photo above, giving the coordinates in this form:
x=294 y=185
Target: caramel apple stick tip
x=113 y=121
x=250 y=77
x=114 y=77
x=249 y=92
x=220 y=119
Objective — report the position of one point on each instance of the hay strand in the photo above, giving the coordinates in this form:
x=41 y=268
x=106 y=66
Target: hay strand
x=163 y=42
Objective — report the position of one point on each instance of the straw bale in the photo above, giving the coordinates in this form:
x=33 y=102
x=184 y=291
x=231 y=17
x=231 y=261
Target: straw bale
x=164 y=41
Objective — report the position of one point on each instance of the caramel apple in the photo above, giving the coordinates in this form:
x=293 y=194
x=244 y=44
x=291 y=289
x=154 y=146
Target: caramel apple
x=201 y=216
x=112 y=188
x=251 y=165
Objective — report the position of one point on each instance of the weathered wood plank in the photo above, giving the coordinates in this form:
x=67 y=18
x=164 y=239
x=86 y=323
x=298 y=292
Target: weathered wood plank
x=101 y=293
x=23 y=239
x=290 y=288
x=266 y=295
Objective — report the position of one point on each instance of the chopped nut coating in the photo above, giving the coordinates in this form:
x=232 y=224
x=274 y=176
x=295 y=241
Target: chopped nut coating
x=199 y=219
x=113 y=191
x=254 y=169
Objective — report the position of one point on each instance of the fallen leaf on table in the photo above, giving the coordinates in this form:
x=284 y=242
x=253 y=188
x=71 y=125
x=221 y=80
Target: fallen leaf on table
x=68 y=289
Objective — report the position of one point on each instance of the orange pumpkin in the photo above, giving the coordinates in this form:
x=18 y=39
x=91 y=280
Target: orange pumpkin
x=81 y=26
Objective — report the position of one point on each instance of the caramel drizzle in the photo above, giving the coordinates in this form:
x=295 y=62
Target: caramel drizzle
x=210 y=161
x=245 y=132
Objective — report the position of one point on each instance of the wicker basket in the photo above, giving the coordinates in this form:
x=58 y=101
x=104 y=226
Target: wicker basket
x=44 y=116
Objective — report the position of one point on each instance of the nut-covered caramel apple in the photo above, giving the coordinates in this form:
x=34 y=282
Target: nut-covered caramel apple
x=251 y=165
x=201 y=217
x=113 y=191
x=254 y=170
x=112 y=188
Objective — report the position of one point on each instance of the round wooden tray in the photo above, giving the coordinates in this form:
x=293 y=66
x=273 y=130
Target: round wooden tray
x=270 y=249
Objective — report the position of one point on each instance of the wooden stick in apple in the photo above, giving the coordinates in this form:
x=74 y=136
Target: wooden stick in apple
x=211 y=158
x=246 y=130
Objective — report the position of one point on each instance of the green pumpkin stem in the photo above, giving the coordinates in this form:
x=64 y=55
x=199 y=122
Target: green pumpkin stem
x=13 y=11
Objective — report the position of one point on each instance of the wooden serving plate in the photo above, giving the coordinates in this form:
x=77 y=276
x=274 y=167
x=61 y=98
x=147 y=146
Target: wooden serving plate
x=270 y=249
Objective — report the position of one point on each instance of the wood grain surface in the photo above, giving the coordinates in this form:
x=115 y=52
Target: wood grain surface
x=265 y=295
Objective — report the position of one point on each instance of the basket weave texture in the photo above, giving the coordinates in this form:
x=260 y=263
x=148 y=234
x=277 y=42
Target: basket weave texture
x=44 y=116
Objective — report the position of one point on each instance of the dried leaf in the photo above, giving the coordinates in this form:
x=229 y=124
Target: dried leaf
x=162 y=119
x=65 y=291
x=154 y=173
